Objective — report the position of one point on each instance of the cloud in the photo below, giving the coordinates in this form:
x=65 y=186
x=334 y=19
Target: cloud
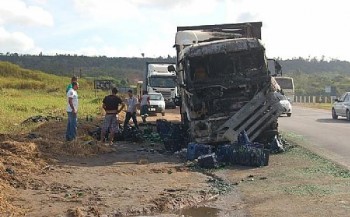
x=106 y=10
x=16 y=42
x=17 y=12
x=246 y=17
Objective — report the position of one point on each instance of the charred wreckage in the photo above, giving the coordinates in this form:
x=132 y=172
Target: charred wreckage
x=224 y=83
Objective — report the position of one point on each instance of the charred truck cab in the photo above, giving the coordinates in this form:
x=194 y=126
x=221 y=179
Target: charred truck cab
x=224 y=83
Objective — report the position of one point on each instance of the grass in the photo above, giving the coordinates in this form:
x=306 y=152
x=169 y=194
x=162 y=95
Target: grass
x=320 y=165
x=325 y=106
x=18 y=105
x=26 y=93
x=298 y=183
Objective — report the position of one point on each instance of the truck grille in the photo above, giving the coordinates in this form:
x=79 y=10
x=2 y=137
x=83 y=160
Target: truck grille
x=166 y=95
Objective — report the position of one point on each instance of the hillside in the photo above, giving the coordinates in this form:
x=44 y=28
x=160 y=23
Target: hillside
x=120 y=68
x=310 y=75
x=310 y=66
x=14 y=77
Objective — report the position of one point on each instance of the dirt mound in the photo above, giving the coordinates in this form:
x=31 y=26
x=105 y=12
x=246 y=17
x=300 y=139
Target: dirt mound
x=25 y=155
x=20 y=161
x=50 y=138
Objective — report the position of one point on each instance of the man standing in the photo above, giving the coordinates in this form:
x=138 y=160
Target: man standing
x=111 y=106
x=131 y=112
x=72 y=109
x=144 y=101
x=69 y=86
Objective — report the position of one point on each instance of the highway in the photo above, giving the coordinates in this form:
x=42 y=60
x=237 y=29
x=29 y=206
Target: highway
x=320 y=133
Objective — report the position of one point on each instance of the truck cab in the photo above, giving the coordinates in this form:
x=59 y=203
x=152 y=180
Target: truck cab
x=158 y=79
x=225 y=85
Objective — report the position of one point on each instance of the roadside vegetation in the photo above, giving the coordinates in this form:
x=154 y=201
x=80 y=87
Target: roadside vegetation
x=325 y=106
x=311 y=75
x=26 y=93
x=296 y=183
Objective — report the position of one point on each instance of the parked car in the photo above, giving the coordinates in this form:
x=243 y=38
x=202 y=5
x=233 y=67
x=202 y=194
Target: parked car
x=341 y=107
x=157 y=103
x=285 y=102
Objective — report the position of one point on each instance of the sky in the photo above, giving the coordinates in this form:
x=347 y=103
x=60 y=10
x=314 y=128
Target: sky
x=127 y=28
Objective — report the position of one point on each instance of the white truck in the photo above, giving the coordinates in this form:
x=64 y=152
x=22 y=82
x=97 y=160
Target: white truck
x=158 y=79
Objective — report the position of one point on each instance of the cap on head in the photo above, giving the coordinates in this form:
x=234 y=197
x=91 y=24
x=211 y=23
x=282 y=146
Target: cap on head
x=129 y=91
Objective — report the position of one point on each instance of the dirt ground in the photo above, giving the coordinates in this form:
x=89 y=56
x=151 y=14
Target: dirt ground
x=40 y=175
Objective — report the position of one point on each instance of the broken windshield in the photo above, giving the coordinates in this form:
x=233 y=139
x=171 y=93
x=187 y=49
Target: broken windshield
x=162 y=82
x=239 y=64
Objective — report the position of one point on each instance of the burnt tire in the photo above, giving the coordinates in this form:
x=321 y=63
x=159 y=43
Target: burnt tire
x=334 y=115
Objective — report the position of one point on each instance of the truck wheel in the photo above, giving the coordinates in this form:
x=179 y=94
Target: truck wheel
x=334 y=115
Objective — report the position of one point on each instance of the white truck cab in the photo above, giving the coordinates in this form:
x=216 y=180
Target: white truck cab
x=158 y=79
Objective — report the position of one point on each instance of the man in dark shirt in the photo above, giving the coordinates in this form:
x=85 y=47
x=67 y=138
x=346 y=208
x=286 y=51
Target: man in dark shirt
x=111 y=106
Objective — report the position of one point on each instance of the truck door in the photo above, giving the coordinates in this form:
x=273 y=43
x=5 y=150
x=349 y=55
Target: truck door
x=339 y=106
x=346 y=104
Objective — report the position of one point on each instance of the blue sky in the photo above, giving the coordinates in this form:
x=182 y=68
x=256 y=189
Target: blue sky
x=291 y=28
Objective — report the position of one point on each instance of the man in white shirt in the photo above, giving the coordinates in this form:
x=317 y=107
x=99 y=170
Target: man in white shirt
x=131 y=102
x=72 y=109
x=145 y=103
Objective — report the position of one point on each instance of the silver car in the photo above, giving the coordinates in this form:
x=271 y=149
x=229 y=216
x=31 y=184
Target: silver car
x=341 y=107
x=157 y=103
x=284 y=101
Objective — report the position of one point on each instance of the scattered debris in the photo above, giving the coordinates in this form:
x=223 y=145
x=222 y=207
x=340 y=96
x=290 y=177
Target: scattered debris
x=130 y=133
x=173 y=135
x=208 y=161
x=243 y=153
x=276 y=145
x=33 y=136
x=10 y=171
x=41 y=118
x=195 y=150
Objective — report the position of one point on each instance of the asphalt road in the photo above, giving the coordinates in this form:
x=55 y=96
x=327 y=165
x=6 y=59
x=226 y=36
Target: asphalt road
x=323 y=135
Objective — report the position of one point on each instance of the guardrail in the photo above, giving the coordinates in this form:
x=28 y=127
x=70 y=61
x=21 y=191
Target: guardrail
x=314 y=99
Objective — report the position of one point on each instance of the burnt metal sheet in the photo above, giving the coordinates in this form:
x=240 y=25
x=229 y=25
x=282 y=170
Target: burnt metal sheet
x=250 y=29
x=224 y=46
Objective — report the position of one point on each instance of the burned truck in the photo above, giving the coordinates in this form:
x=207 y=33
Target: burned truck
x=224 y=83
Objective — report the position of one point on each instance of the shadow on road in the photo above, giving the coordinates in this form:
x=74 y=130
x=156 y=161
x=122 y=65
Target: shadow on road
x=329 y=120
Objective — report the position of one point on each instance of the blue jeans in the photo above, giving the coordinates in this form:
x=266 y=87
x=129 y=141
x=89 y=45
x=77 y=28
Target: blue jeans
x=71 y=132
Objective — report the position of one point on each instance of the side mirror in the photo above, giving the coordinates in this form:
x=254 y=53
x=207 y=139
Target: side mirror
x=171 y=68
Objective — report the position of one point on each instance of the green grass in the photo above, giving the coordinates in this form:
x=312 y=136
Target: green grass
x=25 y=93
x=18 y=105
x=325 y=106
x=320 y=166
